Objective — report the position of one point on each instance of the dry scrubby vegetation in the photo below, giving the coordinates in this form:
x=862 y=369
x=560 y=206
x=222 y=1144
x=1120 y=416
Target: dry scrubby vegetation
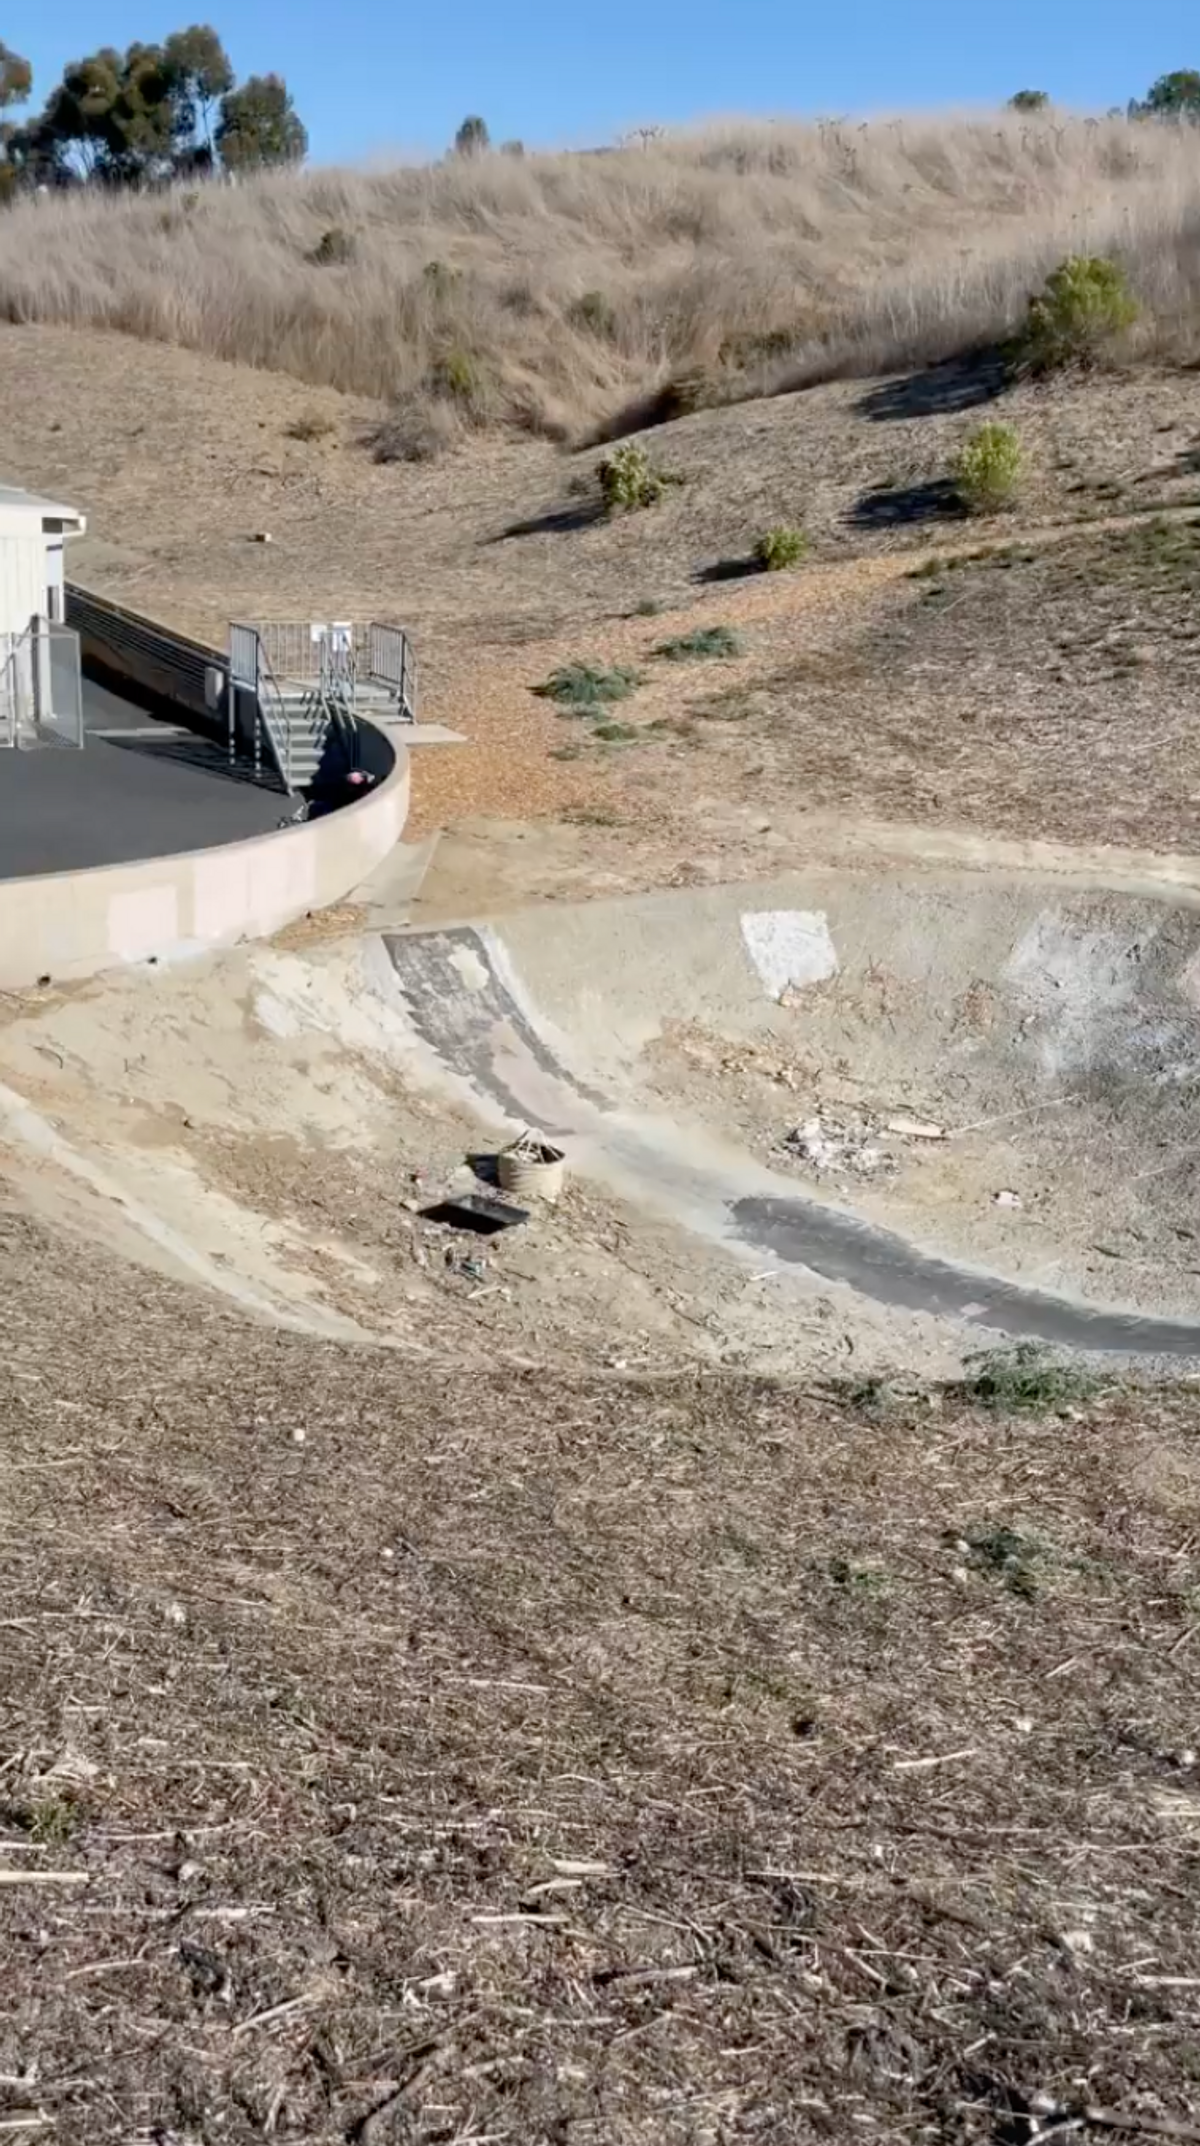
x=855 y=1798
x=568 y=293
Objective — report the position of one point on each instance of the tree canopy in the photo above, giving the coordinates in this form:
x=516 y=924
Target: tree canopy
x=1173 y=96
x=16 y=77
x=260 y=125
x=472 y=137
x=151 y=113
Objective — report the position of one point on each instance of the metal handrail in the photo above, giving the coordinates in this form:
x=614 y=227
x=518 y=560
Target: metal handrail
x=315 y=676
x=251 y=672
x=9 y=691
x=273 y=715
x=40 y=687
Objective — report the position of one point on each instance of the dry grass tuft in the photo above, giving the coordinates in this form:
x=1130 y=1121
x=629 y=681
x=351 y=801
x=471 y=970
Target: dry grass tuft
x=572 y=293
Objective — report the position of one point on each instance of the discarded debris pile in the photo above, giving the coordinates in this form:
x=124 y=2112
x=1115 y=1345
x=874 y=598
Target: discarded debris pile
x=856 y=1143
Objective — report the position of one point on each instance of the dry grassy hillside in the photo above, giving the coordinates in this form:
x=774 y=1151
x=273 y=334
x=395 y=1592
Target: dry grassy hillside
x=550 y=291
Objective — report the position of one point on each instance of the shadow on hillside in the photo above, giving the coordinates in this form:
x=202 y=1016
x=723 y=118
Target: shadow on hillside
x=1187 y=464
x=729 y=570
x=553 y=521
x=895 y=506
x=937 y=390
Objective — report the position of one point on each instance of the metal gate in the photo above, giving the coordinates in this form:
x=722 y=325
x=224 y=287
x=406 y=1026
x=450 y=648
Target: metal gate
x=390 y=663
x=41 y=688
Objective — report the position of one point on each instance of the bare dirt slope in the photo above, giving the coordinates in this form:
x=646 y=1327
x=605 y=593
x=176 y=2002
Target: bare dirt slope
x=407 y=1783
x=552 y=1754
x=994 y=701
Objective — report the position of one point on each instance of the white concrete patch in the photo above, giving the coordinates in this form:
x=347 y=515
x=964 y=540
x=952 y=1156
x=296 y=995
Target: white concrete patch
x=336 y=998
x=1076 y=981
x=278 y=1019
x=789 y=947
x=470 y=968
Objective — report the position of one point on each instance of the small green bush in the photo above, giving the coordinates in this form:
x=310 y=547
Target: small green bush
x=456 y=376
x=611 y=732
x=1026 y=1380
x=586 y=686
x=629 y=480
x=780 y=548
x=987 y=469
x=706 y=642
x=1085 y=304
x=334 y=249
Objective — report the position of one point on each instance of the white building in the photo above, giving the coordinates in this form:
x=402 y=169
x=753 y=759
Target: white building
x=33 y=532
x=40 y=694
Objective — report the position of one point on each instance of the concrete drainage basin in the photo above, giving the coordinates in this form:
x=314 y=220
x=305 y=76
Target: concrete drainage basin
x=968 y=1094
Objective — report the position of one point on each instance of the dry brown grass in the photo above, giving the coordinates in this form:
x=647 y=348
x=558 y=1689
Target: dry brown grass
x=551 y=291
x=609 y=1762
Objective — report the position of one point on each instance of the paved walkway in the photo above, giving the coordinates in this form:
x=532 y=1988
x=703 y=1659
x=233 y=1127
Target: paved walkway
x=139 y=788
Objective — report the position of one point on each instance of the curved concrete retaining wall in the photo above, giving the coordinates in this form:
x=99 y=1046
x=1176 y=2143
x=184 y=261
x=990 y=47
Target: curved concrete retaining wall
x=74 y=924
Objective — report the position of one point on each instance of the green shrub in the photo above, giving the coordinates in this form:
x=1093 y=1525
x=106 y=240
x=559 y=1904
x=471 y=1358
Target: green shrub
x=780 y=548
x=1026 y=1380
x=987 y=468
x=614 y=733
x=456 y=376
x=585 y=686
x=705 y=642
x=334 y=249
x=1085 y=303
x=629 y=480
x=439 y=278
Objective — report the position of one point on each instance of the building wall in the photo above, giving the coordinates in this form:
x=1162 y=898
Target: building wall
x=22 y=577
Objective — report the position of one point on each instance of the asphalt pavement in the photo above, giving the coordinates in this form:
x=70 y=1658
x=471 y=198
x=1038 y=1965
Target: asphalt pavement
x=138 y=788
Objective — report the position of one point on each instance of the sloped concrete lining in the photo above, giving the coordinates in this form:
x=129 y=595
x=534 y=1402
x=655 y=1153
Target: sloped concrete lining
x=1057 y=1026
x=65 y=925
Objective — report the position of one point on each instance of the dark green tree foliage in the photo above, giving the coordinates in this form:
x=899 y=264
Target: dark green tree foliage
x=152 y=113
x=1029 y=100
x=472 y=137
x=259 y=126
x=200 y=75
x=1173 y=96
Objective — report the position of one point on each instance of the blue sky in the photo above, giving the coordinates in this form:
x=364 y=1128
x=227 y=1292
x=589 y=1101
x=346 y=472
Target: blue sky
x=369 y=77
